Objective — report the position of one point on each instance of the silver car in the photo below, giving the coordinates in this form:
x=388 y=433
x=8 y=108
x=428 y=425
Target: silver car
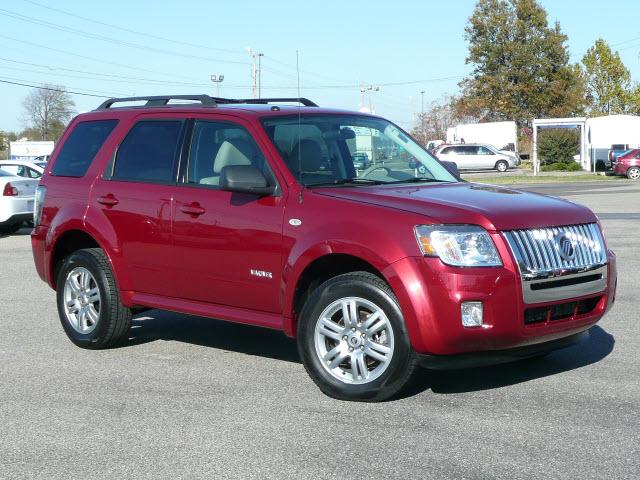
x=477 y=156
x=17 y=195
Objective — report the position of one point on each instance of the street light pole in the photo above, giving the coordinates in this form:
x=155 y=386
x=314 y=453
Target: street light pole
x=217 y=79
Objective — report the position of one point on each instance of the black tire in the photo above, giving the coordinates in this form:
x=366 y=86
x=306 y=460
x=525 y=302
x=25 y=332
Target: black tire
x=502 y=166
x=9 y=228
x=114 y=319
x=404 y=361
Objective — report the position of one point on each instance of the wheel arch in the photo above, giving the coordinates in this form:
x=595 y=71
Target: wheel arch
x=313 y=270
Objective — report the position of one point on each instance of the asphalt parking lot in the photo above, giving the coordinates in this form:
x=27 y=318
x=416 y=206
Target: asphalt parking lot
x=198 y=398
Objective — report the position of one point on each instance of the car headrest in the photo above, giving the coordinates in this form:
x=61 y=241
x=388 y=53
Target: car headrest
x=233 y=152
x=309 y=155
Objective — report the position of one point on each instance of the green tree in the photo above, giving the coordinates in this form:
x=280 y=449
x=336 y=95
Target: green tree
x=521 y=66
x=558 y=145
x=608 y=80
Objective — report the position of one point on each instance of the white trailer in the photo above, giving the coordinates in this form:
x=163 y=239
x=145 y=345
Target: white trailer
x=502 y=135
x=27 y=150
x=602 y=132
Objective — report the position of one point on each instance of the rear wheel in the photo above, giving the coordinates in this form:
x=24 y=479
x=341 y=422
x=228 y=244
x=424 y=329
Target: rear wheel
x=89 y=302
x=352 y=339
x=633 y=173
x=502 y=166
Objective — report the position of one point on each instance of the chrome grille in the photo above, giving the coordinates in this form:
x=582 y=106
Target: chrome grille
x=539 y=253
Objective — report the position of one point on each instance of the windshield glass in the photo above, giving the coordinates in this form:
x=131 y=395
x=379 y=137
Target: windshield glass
x=4 y=173
x=324 y=149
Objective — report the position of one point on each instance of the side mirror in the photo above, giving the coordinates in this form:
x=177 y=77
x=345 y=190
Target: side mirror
x=245 y=179
x=452 y=167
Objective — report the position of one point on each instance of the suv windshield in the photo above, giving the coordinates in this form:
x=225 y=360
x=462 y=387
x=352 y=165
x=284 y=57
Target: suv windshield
x=324 y=149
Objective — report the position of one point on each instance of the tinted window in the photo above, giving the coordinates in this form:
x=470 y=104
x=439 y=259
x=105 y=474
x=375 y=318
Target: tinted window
x=148 y=152
x=484 y=151
x=215 y=145
x=81 y=147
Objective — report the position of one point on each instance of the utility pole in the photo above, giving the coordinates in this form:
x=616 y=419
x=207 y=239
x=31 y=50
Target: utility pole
x=217 y=79
x=424 y=133
x=256 y=72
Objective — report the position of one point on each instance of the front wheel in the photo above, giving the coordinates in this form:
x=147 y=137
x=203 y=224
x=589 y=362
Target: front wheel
x=353 y=341
x=633 y=173
x=502 y=166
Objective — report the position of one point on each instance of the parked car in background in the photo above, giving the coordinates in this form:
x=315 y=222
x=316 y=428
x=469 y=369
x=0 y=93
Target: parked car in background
x=24 y=168
x=616 y=150
x=628 y=164
x=475 y=156
x=361 y=160
x=16 y=201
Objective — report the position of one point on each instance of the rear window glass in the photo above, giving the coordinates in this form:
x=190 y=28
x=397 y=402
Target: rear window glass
x=81 y=147
x=148 y=152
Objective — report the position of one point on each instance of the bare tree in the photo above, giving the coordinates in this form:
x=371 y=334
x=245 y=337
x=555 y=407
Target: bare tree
x=432 y=124
x=47 y=111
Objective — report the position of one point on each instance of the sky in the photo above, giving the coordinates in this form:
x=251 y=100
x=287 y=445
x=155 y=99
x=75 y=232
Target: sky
x=125 y=48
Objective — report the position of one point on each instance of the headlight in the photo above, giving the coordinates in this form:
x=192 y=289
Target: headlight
x=458 y=245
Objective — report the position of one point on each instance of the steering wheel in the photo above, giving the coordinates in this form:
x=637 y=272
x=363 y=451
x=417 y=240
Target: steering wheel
x=373 y=168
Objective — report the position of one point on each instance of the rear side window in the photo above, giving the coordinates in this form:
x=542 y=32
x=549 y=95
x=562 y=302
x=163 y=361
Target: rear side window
x=81 y=147
x=148 y=152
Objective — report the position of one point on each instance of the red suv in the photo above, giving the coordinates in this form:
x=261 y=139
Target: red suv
x=252 y=211
x=628 y=164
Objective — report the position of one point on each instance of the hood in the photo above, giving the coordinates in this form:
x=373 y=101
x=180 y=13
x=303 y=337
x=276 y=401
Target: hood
x=493 y=207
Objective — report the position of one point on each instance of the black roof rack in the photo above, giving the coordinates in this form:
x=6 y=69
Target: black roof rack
x=205 y=100
x=159 y=100
x=264 y=101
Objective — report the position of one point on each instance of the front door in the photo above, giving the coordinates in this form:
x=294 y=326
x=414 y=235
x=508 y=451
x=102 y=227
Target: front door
x=229 y=245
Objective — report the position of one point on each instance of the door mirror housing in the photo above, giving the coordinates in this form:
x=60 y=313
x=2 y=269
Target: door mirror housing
x=245 y=179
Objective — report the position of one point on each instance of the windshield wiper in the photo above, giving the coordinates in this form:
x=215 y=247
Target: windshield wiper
x=421 y=180
x=348 y=181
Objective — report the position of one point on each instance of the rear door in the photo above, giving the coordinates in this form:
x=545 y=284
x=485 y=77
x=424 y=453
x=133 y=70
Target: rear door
x=135 y=194
x=229 y=244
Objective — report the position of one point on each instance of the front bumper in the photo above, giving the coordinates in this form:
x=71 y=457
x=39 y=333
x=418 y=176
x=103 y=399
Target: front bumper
x=430 y=294
x=494 y=357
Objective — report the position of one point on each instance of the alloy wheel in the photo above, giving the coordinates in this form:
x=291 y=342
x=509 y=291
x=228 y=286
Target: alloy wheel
x=354 y=340
x=81 y=300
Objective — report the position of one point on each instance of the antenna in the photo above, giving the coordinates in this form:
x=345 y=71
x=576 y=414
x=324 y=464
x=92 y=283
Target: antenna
x=299 y=125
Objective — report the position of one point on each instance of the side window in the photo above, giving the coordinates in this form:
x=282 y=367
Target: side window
x=216 y=145
x=81 y=147
x=470 y=150
x=148 y=152
x=484 y=151
x=448 y=150
x=33 y=173
x=12 y=169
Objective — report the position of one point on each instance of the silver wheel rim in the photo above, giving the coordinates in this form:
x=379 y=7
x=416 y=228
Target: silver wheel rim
x=634 y=173
x=502 y=167
x=354 y=340
x=81 y=300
